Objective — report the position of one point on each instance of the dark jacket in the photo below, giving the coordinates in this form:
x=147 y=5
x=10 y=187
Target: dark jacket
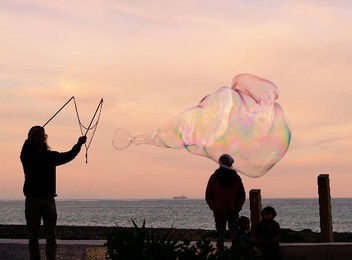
x=40 y=169
x=267 y=231
x=225 y=192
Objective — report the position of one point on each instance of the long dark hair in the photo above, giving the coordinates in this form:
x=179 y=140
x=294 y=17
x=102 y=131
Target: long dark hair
x=31 y=139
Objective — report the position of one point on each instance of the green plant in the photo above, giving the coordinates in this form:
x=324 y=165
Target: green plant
x=142 y=243
x=199 y=250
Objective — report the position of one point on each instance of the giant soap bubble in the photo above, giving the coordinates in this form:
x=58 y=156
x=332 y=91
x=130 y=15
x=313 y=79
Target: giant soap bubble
x=243 y=121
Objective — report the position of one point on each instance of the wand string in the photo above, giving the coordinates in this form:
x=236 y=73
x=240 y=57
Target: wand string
x=100 y=106
x=91 y=121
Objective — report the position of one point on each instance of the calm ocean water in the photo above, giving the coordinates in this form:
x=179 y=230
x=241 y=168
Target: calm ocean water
x=296 y=214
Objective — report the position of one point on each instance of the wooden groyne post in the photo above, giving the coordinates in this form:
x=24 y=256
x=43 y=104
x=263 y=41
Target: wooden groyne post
x=325 y=208
x=255 y=204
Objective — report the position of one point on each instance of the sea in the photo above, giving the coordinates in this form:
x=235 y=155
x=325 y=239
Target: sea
x=295 y=214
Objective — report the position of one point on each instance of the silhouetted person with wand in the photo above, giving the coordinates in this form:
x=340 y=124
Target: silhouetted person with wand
x=39 y=165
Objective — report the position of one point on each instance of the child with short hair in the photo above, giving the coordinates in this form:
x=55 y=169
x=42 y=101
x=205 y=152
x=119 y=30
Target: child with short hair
x=267 y=233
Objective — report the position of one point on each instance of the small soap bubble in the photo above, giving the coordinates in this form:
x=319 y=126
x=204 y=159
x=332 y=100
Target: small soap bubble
x=122 y=139
x=243 y=120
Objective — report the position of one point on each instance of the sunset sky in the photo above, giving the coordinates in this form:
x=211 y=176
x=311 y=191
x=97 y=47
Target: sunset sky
x=150 y=60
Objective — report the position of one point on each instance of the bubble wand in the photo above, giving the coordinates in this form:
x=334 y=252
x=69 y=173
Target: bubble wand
x=58 y=111
x=99 y=108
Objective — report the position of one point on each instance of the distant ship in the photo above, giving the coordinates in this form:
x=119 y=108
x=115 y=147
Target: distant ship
x=180 y=198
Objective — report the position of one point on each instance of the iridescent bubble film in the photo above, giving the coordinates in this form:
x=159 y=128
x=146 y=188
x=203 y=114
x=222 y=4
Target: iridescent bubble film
x=242 y=120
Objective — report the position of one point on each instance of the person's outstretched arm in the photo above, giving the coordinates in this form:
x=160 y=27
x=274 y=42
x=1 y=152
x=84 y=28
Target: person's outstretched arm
x=65 y=157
